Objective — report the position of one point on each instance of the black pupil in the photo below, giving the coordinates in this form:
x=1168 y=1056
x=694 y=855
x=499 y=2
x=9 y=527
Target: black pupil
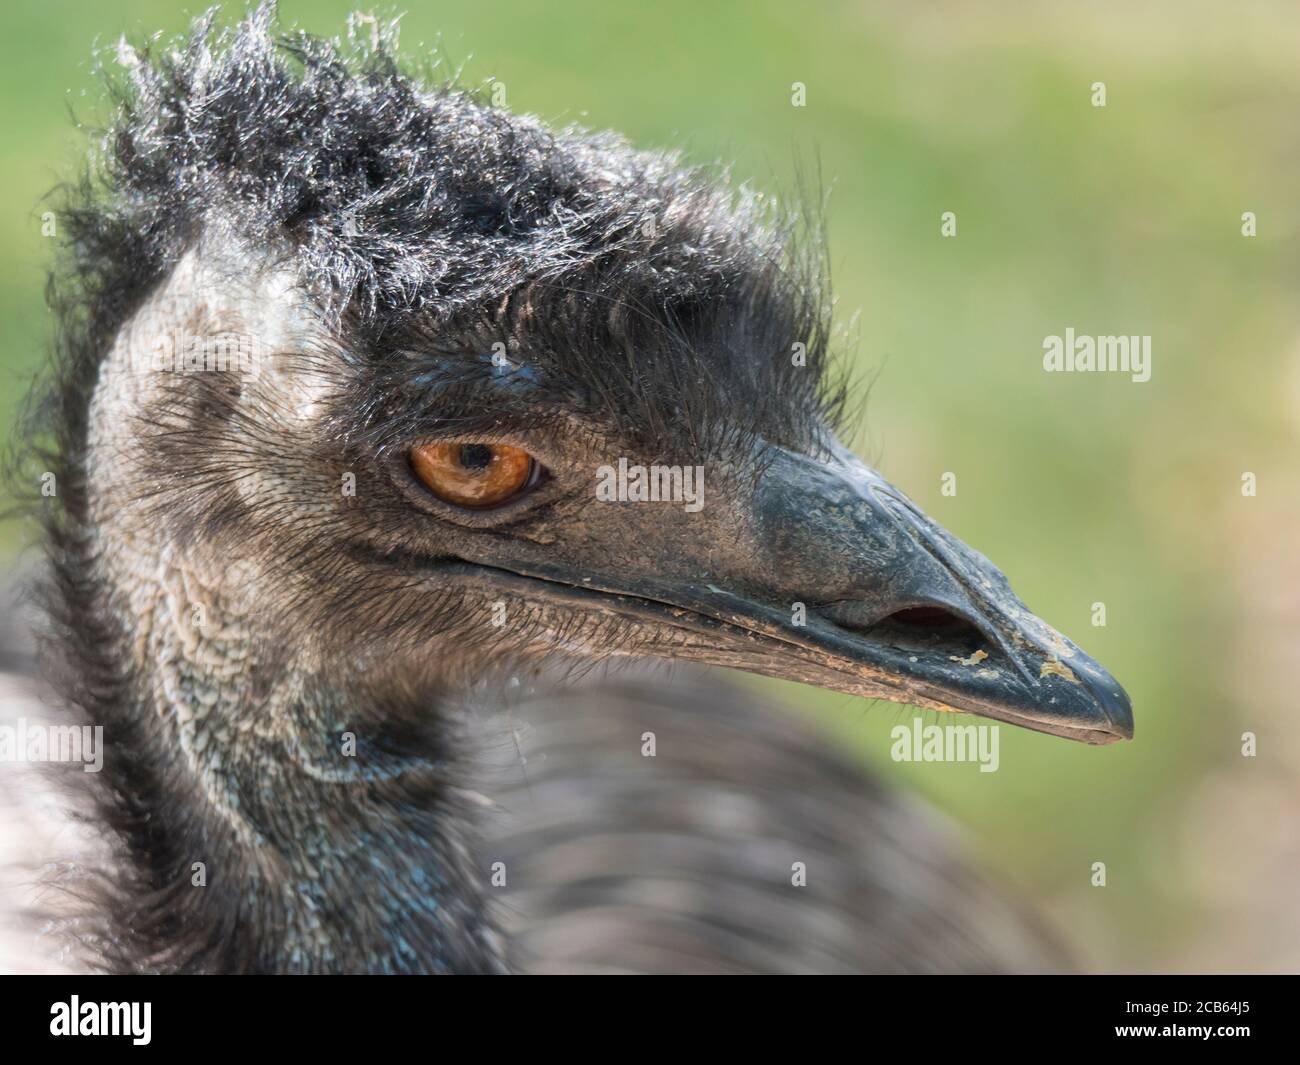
x=475 y=456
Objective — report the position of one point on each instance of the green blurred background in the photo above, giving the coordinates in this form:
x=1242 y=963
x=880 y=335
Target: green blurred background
x=1124 y=219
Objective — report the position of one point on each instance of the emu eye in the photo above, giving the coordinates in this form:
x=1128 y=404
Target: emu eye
x=473 y=475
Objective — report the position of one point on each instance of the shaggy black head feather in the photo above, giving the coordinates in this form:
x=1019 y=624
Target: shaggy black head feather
x=422 y=220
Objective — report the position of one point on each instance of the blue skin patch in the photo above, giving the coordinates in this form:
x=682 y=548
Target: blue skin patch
x=516 y=377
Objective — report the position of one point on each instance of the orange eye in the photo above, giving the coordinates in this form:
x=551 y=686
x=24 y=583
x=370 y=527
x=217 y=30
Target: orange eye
x=471 y=474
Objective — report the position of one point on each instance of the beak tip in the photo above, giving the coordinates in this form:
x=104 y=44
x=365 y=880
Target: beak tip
x=1122 y=726
x=1114 y=707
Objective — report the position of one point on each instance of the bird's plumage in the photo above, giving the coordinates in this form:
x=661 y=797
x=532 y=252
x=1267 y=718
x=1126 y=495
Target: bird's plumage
x=303 y=661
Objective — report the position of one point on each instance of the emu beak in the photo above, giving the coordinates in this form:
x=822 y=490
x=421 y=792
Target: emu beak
x=895 y=606
x=842 y=582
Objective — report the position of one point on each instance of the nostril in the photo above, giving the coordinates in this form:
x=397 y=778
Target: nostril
x=925 y=623
x=934 y=619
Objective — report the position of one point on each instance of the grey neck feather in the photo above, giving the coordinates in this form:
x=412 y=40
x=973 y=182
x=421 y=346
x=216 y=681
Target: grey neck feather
x=323 y=847
x=294 y=828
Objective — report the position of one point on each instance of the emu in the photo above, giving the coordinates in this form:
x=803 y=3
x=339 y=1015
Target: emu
x=343 y=610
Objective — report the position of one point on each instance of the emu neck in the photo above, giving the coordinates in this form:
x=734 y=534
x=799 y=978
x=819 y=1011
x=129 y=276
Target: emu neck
x=279 y=809
x=289 y=826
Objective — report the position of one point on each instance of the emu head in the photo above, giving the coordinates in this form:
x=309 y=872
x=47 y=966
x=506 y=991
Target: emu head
x=390 y=373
